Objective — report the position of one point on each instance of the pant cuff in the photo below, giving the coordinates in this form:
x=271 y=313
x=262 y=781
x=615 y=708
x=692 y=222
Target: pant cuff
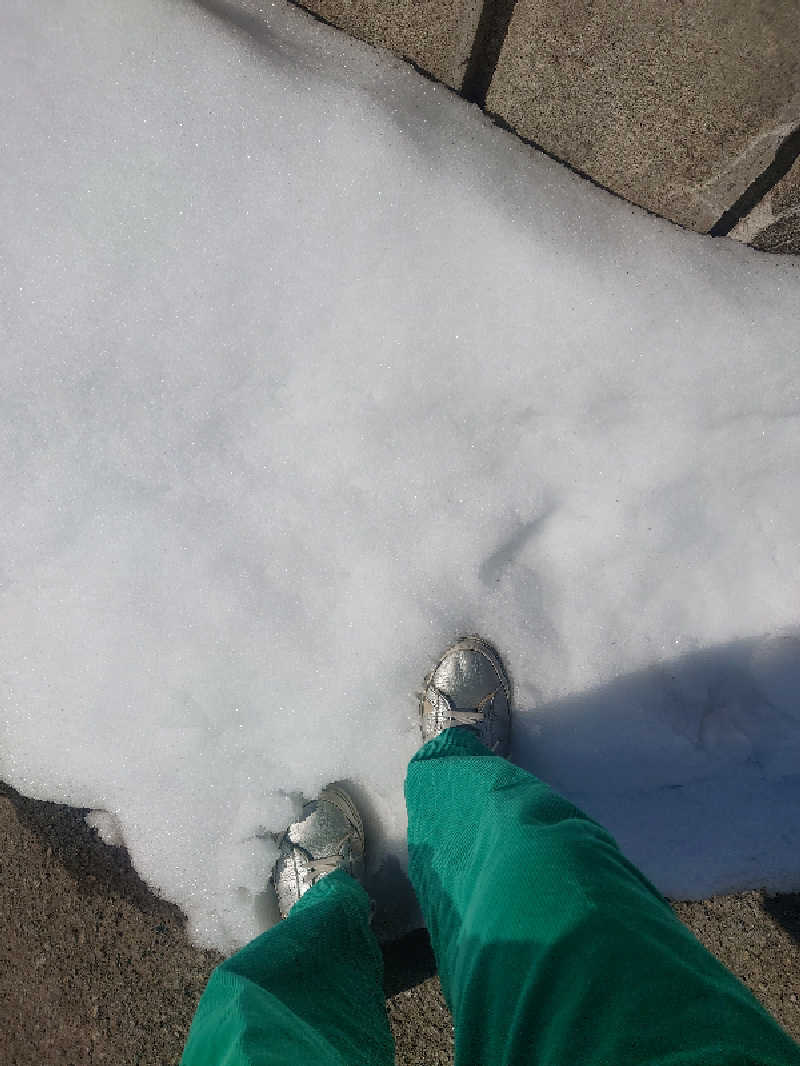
x=458 y=740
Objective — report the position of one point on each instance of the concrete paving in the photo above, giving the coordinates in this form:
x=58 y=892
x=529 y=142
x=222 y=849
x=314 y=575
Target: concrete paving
x=435 y=35
x=676 y=107
x=96 y=969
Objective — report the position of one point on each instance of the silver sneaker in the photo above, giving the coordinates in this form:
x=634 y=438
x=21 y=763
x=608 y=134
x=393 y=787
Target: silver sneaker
x=328 y=837
x=469 y=687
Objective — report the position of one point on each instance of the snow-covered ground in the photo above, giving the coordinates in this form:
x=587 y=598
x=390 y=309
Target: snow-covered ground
x=307 y=370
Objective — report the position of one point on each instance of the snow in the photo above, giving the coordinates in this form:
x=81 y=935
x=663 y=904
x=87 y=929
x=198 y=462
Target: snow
x=307 y=369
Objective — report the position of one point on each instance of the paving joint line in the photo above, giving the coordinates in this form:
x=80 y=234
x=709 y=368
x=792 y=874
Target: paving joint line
x=786 y=155
x=487 y=45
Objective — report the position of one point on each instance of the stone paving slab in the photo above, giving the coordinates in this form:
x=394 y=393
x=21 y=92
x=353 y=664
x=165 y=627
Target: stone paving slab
x=437 y=35
x=678 y=107
x=774 y=224
x=96 y=969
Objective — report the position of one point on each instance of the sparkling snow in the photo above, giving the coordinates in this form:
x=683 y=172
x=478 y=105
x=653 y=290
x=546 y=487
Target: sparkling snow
x=307 y=370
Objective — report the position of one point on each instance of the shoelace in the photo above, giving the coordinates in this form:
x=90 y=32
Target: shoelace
x=462 y=718
x=451 y=715
x=311 y=869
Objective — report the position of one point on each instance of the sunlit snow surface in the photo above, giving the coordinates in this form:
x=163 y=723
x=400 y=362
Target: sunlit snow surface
x=306 y=371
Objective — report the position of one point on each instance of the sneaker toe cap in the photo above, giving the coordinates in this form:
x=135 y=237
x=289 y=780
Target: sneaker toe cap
x=467 y=676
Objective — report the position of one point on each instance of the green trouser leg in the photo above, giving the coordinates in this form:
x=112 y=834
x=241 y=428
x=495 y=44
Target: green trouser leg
x=308 y=992
x=553 y=949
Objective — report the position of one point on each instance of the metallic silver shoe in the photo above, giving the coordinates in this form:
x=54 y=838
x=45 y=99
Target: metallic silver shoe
x=328 y=837
x=469 y=687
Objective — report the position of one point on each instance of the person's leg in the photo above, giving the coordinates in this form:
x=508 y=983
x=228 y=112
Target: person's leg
x=552 y=947
x=309 y=990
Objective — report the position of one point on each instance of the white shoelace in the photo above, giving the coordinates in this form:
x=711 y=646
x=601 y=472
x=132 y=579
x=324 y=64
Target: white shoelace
x=313 y=869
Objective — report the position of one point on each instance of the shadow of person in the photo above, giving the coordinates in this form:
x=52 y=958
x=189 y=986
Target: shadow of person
x=692 y=764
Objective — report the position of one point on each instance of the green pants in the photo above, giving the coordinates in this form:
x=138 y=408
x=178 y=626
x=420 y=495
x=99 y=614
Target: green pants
x=553 y=949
